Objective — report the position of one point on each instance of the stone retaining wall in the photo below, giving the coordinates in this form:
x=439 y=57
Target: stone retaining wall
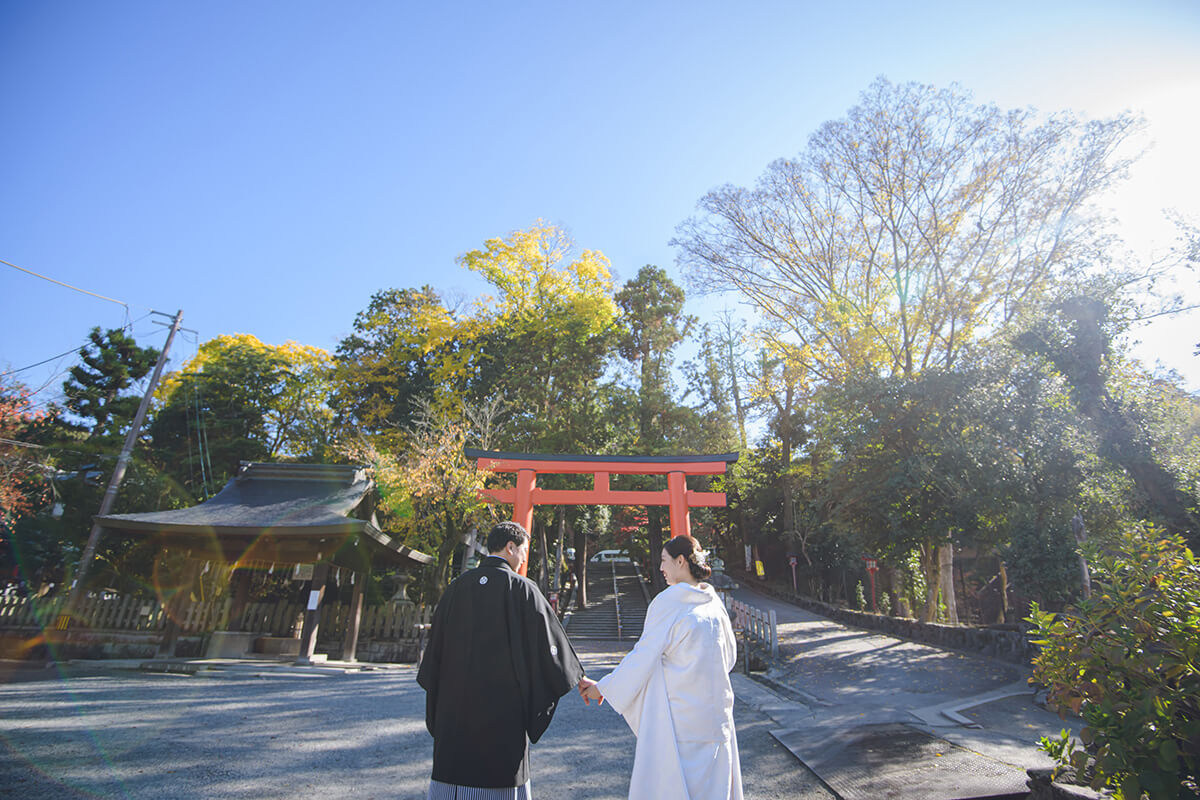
x=66 y=645
x=30 y=645
x=1004 y=642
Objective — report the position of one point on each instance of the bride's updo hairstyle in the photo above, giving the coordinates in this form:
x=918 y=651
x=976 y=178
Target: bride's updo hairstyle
x=693 y=553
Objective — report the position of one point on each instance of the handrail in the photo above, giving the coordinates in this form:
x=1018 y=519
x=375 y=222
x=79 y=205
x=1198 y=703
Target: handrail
x=637 y=568
x=757 y=624
x=616 y=597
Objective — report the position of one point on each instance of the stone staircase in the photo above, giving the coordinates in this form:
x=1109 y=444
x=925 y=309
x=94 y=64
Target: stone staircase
x=616 y=604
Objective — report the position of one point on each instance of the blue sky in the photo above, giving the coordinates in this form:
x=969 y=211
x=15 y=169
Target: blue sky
x=266 y=166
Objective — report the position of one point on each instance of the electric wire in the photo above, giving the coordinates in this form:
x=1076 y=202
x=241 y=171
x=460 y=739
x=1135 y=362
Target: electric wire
x=128 y=326
x=38 y=364
x=69 y=286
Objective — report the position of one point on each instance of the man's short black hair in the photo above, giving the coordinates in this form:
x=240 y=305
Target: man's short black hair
x=506 y=532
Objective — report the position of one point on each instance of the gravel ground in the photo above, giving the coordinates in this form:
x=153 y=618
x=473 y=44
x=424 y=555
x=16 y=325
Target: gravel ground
x=86 y=732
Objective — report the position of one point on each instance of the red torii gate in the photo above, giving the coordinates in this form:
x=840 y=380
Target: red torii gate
x=526 y=494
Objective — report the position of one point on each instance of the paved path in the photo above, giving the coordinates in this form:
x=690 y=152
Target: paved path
x=271 y=730
x=274 y=731
x=851 y=682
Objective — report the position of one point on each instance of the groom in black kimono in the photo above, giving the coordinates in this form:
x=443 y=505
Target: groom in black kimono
x=496 y=664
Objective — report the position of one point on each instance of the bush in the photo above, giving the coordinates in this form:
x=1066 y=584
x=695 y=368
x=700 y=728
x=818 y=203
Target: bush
x=1127 y=660
x=860 y=597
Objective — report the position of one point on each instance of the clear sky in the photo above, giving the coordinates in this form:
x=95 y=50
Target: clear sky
x=266 y=166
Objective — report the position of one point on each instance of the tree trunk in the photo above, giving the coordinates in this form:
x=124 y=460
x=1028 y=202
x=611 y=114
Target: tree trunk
x=580 y=568
x=945 y=554
x=1080 y=532
x=1003 y=592
x=929 y=565
x=785 y=456
x=654 y=526
x=543 y=559
x=558 y=554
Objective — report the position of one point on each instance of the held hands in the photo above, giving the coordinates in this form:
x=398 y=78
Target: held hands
x=588 y=691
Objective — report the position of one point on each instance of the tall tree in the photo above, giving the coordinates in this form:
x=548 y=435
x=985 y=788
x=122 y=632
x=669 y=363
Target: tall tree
x=909 y=226
x=545 y=338
x=110 y=364
x=386 y=364
x=729 y=335
x=1077 y=338
x=540 y=344
x=781 y=383
x=652 y=324
x=239 y=399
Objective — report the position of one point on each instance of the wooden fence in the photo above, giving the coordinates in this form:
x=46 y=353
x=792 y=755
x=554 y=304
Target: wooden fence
x=390 y=621
x=756 y=623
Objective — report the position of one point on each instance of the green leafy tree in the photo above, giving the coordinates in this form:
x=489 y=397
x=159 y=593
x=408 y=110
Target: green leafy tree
x=239 y=400
x=1077 y=338
x=430 y=489
x=908 y=227
x=544 y=338
x=1128 y=660
x=540 y=346
x=98 y=387
x=652 y=324
x=387 y=363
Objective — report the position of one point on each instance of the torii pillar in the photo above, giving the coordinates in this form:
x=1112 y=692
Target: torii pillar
x=678 y=498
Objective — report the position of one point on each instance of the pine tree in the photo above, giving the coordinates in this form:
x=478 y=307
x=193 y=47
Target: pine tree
x=96 y=389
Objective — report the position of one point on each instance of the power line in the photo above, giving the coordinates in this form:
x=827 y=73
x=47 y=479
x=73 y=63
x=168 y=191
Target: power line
x=38 y=364
x=127 y=326
x=69 y=286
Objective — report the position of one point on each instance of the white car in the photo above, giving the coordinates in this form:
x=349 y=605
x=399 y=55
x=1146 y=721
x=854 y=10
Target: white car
x=605 y=556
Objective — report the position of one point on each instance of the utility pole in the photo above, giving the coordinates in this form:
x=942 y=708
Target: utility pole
x=118 y=474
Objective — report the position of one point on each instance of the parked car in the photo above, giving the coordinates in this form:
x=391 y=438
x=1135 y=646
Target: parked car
x=605 y=556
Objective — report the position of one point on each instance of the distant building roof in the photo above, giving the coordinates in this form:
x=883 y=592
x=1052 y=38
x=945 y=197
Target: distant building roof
x=279 y=513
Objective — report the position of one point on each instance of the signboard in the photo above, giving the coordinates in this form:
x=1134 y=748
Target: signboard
x=302 y=572
x=314 y=599
x=793 y=561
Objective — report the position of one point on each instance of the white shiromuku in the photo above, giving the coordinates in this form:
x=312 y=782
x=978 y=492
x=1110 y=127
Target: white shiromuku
x=673 y=689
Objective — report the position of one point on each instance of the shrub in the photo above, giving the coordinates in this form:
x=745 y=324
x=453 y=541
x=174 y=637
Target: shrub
x=860 y=597
x=1127 y=660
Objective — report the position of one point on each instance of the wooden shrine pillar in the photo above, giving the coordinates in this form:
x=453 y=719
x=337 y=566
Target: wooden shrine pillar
x=354 y=620
x=312 y=613
x=174 y=606
x=240 y=584
x=681 y=516
x=523 y=507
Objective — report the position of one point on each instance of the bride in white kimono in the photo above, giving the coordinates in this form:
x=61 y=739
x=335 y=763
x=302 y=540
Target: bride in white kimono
x=673 y=688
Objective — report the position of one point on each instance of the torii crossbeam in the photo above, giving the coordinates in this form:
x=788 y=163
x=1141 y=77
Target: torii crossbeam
x=527 y=466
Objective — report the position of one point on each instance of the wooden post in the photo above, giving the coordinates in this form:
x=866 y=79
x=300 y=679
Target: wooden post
x=166 y=648
x=681 y=522
x=773 y=620
x=240 y=581
x=312 y=614
x=350 y=643
x=523 y=507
